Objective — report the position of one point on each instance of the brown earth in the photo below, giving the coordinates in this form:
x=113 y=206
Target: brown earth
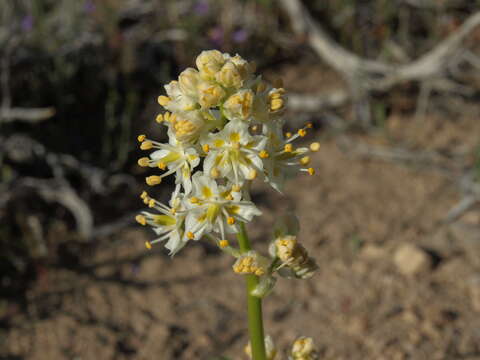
x=365 y=302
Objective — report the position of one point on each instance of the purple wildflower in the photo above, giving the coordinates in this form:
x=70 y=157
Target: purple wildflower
x=27 y=23
x=240 y=36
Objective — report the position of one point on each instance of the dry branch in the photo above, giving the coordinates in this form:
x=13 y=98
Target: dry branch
x=372 y=74
x=32 y=115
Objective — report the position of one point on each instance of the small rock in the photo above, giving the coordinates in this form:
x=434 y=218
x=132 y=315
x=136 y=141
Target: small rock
x=372 y=252
x=411 y=259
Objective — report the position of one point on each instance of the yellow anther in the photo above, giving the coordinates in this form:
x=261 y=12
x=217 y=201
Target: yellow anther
x=159 y=118
x=142 y=137
x=236 y=188
x=146 y=145
x=214 y=173
x=309 y=125
x=206 y=148
x=229 y=197
x=163 y=100
x=302 y=132
x=153 y=180
x=315 y=146
x=259 y=272
x=161 y=165
x=166 y=116
x=254 y=127
x=141 y=220
x=288 y=134
x=143 y=195
x=146 y=200
x=230 y=220
x=223 y=244
x=194 y=200
x=190 y=235
x=276 y=104
x=288 y=148
x=305 y=160
x=173 y=211
x=252 y=175
x=144 y=161
x=263 y=154
x=151 y=203
x=148 y=245
x=311 y=171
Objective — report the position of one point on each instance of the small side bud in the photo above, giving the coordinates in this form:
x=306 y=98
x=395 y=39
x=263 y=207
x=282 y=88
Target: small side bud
x=153 y=180
x=304 y=349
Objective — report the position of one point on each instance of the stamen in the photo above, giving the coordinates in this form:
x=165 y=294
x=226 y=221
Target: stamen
x=159 y=118
x=252 y=175
x=161 y=165
x=311 y=171
x=163 y=100
x=309 y=125
x=305 y=160
x=143 y=162
x=148 y=245
x=146 y=145
x=288 y=148
x=263 y=154
x=230 y=220
x=206 y=148
x=190 y=235
x=144 y=195
x=315 y=146
x=288 y=134
x=194 y=200
x=302 y=132
x=223 y=243
x=153 y=180
x=142 y=137
x=141 y=220
x=151 y=203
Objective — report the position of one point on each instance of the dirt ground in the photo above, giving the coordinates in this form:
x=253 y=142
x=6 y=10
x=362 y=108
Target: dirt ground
x=368 y=300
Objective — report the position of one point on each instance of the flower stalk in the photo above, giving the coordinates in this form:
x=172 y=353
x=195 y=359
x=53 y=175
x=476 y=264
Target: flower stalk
x=254 y=304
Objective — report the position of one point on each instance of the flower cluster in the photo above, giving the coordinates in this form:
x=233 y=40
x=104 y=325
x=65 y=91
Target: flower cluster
x=225 y=129
x=303 y=349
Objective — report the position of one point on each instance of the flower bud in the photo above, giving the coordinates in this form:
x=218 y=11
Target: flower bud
x=251 y=263
x=210 y=94
x=276 y=100
x=239 y=105
x=229 y=76
x=264 y=287
x=188 y=81
x=187 y=129
x=209 y=62
x=304 y=349
x=244 y=67
x=270 y=350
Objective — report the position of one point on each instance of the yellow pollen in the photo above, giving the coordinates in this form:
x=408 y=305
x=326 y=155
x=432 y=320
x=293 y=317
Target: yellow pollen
x=229 y=197
x=141 y=220
x=146 y=200
x=146 y=145
x=159 y=118
x=311 y=171
x=143 y=195
x=288 y=134
x=223 y=243
x=148 y=245
x=315 y=146
x=305 y=160
x=309 y=125
x=302 y=132
x=236 y=188
x=153 y=180
x=288 y=148
x=259 y=272
x=206 y=148
x=252 y=175
x=230 y=220
x=142 y=137
x=161 y=165
x=190 y=235
x=194 y=200
x=144 y=161
x=166 y=116
x=163 y=100
x=151 y=203
x=263 y=154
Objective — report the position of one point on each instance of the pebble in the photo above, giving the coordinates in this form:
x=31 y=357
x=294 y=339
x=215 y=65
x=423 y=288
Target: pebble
x=411 y=259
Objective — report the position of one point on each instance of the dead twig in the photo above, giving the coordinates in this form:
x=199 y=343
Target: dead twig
x=32 y=115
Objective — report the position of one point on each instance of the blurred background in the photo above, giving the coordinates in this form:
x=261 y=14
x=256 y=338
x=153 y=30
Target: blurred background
x=392 y=88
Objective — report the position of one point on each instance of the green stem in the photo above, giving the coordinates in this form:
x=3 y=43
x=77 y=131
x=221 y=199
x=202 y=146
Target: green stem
x=255 y=320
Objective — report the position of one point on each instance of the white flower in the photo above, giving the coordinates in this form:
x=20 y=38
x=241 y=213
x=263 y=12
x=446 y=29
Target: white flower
x=175 y=157
x=168 y=223
x=177 y=101
x=234 y=153
x=209 y=62
x=214 y=208
x=304 y=349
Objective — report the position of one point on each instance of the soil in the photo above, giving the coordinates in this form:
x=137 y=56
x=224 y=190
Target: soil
x=124 y=302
